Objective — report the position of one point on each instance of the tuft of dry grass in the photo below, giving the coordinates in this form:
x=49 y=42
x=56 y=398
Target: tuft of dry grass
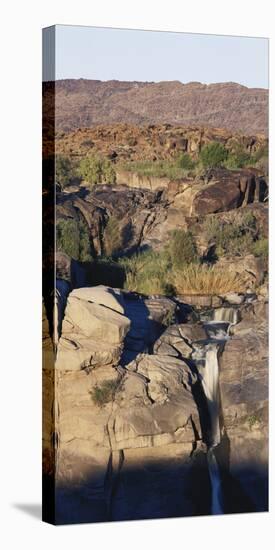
x=205 y=280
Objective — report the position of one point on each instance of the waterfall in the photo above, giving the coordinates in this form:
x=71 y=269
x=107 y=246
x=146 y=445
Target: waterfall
x=227 y=314
x=205 y=355
x=210 y=384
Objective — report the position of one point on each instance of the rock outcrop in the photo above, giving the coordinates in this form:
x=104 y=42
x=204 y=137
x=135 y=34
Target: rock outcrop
x=154 y=419
x=244 y=399
x=146 y=218
x=93 y=329
x=152 y=407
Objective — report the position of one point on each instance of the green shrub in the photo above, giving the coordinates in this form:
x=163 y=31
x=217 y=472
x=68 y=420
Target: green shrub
x=236 y=237
x=112 y=237
x=213 y=155
x=108 y=172
x=186 y=162
x=67 y=237
x=65 y=170
x=84 y=242
x=182 y=248
x=103 y=394
x=148 y=273
x=95 y=170
x=260 y=248
x=72 y=237
x=238 y=158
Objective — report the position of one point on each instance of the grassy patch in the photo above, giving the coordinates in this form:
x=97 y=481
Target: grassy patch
x=206 y=280
x=147 y=273
x=260 y=248
x=173 y=169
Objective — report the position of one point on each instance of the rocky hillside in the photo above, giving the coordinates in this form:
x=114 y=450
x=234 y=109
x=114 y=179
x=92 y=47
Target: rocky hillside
x=126 y=142
x=86 y=103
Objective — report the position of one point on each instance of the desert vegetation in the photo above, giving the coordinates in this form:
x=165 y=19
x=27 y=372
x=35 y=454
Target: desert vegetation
x=104 y=393
x=154 y=273
x=91 y=169
x=238 y=237
x=72 y=237
x=94 y=170
x=212 y=155
x=176 y=268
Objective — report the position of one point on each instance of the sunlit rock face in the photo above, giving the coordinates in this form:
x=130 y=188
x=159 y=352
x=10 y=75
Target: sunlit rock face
x=138 y=406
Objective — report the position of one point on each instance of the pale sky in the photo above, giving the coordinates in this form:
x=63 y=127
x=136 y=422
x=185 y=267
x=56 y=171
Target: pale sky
x=106 y=54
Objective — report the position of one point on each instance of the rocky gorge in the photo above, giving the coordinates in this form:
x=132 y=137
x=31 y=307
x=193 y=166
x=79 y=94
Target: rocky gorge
x=142 y=450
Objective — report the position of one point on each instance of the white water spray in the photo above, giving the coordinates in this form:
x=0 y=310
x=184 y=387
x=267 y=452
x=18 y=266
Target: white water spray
x=206 y=354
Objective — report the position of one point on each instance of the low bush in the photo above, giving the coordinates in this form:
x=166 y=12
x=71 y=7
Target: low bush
x=186 y=162
x=213 y=155
x=182 y=248
x=96 y=170
x=236 y=237
x=65 y=171
x=103 y=394
x=67 y=237
x=238 y=158
x=260 y=248
x=72 y=237
x=148 y=273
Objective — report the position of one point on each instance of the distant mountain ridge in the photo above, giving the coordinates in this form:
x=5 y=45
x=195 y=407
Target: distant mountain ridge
x=86 y=103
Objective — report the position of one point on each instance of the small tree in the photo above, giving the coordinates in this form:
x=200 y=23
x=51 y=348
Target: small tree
x=213 y=155
x=72 y=237
x=95 y=170
x=108 y=172
x=64 y=170
x=67 y=237
x=90 y=170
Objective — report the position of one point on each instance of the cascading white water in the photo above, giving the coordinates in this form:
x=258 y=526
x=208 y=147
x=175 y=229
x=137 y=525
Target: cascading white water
x=210 y=384
x=206 y=356
x=227 y=314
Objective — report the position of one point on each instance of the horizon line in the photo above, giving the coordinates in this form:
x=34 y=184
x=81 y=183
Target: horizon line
x=160 y=82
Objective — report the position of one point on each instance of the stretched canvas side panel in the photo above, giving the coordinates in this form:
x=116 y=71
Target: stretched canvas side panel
x=48 y=276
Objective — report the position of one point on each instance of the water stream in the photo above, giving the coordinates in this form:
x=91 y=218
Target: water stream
x=206 y=354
